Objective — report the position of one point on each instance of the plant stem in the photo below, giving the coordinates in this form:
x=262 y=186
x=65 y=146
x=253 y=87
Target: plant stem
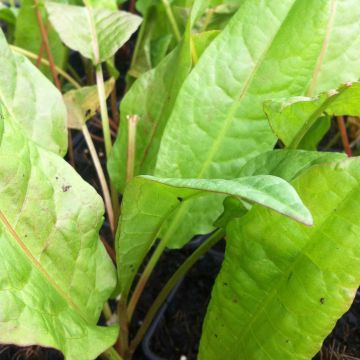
x=194 y=55
x=103 y=109
x=106 y=132
x=33 y=56
x=344 y=136
x=112 y=354
x=124 y=329
x=175 y=278
x=40 y=55
x=45 y=41
x=172 y=19
x=107 y=311
x=132 y=6
x=101 y=176
x=73 y=73
x=130 y=164
x=208 y=18
x=153 y=261
x=138 y=43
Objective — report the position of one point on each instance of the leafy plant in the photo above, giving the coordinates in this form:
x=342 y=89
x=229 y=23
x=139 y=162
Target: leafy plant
x=210 y=91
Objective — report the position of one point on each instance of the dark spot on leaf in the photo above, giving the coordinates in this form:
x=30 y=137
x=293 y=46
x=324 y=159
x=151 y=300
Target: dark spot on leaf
x=57 y=178
x=25 y=235
x=290 y=276
x=66 y=188
x=235 y=301
x=322 y=300
x=287 y=340
x=225 y=284
x=88 y=112
x=180 y=199
x=216 y=335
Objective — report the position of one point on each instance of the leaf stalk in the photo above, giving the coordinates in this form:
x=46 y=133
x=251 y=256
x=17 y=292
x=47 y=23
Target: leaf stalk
x=175 y=278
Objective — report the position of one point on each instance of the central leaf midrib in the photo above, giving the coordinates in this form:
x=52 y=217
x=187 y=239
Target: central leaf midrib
x=39 y=267
x=243 y=91
x=324 y=48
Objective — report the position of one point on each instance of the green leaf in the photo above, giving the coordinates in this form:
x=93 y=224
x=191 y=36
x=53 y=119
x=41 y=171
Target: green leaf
x=8 y=14
x=99 y=32
x=278 y=274
x=148 y=201
x=152 y=98
x=217 y=123
x=219 y=14
x=287 y=164
x=156 y=37
x=292 y=119
x=315 y=134
x=159 y=48
x=143 y=6
x=82 y=104
x=154 y=28
x=103 y=4
x=31 y=100
x=28 y=35
x=55 y=273
x=202 y=40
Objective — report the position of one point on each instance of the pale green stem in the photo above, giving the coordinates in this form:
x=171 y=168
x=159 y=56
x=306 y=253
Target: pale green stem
x=172 y=19
x=112 y=354
x=208 y=18
x=154 y=259
x=103 y=109
x=61 y=72
x=107 y=311
x=107 y=135
x=101 y=176
x=130 y=164
x=175 y=278
x=124 y=327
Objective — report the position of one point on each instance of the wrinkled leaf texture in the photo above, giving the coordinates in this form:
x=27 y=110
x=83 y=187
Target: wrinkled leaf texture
x=55 y=274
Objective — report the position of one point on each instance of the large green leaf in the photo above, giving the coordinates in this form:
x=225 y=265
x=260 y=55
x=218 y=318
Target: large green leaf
x=148 y=201
x=283 y=285
x=55 y=273
x=287 y=164
x=291 y=119
x=269 y=49
x=28 y=35
x=98 y=33
x=152 y=98
x=23 y=90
